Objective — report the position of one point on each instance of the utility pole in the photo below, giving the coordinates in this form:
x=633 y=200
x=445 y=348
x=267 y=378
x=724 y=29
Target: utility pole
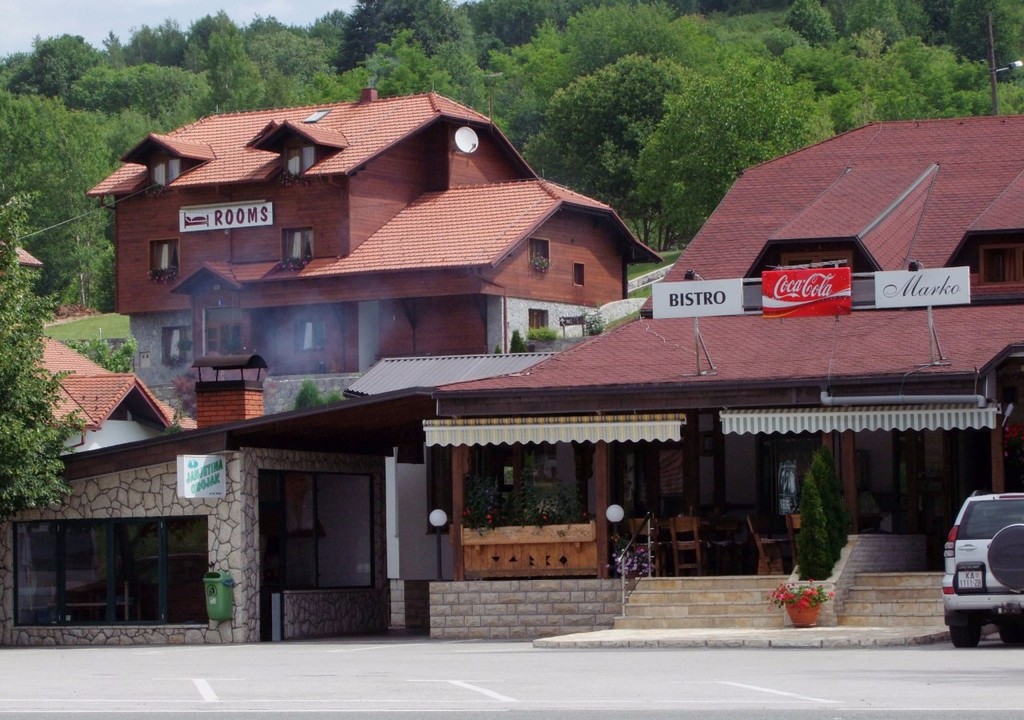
x=992 y=67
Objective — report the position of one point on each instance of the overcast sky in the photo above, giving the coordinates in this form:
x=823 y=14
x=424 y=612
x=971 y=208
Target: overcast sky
x=23 y=20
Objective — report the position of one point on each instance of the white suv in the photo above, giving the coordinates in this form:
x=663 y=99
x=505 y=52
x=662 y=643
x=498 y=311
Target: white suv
x=984 y=569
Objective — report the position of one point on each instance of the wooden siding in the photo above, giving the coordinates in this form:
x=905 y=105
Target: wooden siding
x=443 y=326
x=487 y=164
x=573 y=238
x=391 y=182
x=319 y=204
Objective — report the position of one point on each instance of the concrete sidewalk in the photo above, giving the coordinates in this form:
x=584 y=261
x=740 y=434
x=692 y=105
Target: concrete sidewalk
x=818 y=637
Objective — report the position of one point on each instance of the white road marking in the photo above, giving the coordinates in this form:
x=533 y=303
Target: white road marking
x=475 y=688
x=776 y=692
x=205 y=690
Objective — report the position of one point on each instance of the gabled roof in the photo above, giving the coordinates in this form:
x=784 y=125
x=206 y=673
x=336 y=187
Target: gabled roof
x=96 y=393
x=171 y=145
x=276 y=133
x=368 y=128
x=903 y=190
x=748 y=349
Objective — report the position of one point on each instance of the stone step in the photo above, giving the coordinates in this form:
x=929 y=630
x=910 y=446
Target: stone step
x=900 y=580
x=700 y=609
x=724 y=621
x=876 y=599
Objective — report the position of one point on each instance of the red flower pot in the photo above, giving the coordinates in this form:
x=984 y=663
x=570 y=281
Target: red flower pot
x=803 y=617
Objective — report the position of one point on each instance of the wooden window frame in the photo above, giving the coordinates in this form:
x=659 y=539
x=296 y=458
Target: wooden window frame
x=303 y=157
x=809 y=257
x=159 y=269
x=288 y=238
x=538 y=318
x=1013 y=272
x=578 y=274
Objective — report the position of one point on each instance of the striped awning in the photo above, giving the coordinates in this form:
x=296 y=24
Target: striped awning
x=858 y=418
x=571 y=428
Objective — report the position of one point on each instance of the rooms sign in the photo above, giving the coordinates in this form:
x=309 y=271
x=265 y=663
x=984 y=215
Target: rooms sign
x=225 y=217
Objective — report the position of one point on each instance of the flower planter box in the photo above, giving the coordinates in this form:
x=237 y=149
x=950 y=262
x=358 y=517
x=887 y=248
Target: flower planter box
x=530 y=551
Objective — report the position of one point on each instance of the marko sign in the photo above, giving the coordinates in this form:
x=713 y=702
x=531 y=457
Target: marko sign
x=698 y=298
x=806 y=292
x=225 y=217
x=923 y=288
x=202 y=476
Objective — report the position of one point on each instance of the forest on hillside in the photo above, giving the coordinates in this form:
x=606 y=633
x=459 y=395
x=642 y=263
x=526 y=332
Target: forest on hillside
x=652 y=107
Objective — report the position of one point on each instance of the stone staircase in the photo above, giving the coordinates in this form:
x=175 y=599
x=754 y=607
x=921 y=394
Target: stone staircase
x=739 y=601
x=890 y=599
x=731 y=601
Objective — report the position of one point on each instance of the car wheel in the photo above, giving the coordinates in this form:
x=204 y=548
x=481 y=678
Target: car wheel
x=965 y=636
x=1011 y=634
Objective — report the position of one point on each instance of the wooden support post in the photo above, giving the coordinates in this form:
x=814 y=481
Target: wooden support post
x=460 y=468
x=848 y=473
x=601 y=485
x=998 y=468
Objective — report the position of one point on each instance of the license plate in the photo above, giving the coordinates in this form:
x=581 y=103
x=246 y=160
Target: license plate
x=970 y=577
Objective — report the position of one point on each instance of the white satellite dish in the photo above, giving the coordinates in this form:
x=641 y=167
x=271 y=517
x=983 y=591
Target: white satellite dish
x=466 y=139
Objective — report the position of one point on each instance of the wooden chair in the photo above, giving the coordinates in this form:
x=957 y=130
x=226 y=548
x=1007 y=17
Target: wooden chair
x=685 y=545
x=792 y=528
x=769 y=553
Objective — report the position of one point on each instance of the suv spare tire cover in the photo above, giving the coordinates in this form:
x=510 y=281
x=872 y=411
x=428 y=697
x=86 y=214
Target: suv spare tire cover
x=1006 y=556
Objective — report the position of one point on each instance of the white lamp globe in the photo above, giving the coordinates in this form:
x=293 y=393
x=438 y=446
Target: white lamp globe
x=438 y=517
x=614 y=513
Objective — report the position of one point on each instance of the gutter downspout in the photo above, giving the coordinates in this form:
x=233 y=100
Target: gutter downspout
x=831 y=401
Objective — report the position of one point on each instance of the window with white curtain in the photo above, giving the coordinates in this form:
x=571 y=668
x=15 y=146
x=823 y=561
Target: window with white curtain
x=298 y=244
x=310 y=335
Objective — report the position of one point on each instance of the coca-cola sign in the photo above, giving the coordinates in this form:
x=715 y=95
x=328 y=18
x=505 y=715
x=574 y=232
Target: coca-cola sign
x=806 y=292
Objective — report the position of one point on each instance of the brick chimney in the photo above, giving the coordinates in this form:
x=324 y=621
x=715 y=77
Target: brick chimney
x=368 y=95
x=229 y=389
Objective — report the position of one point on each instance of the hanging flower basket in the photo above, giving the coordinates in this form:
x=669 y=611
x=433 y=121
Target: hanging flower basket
x=540 y=263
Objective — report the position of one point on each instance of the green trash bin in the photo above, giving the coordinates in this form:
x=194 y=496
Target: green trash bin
x=219 y=595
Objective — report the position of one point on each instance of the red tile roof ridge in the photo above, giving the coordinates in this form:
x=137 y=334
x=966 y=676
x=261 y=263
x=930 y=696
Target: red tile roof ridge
x=1010 y=186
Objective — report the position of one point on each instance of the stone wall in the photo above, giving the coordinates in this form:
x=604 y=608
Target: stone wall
x=410 y=604
x=233 y=543
x=324 y=613
x=522 y=609
x=876 y=553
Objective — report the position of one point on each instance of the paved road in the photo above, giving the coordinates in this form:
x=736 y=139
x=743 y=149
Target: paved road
x=422 y=678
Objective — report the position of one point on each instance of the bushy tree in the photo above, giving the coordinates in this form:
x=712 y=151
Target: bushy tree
x=717 y=125
x=54 y=65
x=31 y=435
x=118 y=357
x=837 y=517
x=813 y=557
x=517 y=344
x=811 y=21
x=309 y=395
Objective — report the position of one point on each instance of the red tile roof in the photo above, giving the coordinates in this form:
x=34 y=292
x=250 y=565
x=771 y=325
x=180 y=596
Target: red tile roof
x=906 y=190
x=367 y=127
x=95 y=392
x=470 y=225
x=749 y=348
x=26 y=259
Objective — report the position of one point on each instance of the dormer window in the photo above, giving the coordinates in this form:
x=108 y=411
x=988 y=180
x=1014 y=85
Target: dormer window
x=299 y=158
x=1001 y=264
x=164 y=170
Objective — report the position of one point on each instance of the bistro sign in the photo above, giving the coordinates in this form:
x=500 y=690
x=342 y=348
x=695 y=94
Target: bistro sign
x=201 y=476
x=923 y=288
x=806 y=292
x=698 y=298
x=225 y=217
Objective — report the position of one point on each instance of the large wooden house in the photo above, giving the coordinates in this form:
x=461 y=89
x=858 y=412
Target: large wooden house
x=326 y=237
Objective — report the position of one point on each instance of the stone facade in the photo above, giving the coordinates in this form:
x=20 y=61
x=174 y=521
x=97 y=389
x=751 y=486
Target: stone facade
x=522 y=609
x=233 y=545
